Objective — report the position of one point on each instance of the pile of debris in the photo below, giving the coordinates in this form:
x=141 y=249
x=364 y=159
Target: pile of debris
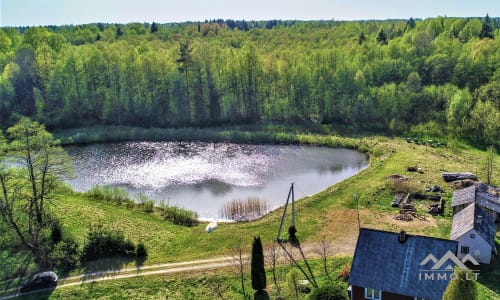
x=407 y=212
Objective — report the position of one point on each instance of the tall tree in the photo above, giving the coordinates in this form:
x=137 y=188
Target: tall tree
x=184 y=64
x=154 y=27
x=382 y=37
x=30 y=167
x=487 y=28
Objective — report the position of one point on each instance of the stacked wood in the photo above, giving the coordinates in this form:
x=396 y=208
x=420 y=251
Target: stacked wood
x=449 y=177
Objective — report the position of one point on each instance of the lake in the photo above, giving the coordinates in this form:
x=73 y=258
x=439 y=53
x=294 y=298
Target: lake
x=202 y=176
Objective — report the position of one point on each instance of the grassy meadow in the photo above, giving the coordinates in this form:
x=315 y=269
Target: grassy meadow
x=329 y=215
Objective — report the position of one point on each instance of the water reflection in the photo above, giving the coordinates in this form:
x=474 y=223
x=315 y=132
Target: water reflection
x=203 y=176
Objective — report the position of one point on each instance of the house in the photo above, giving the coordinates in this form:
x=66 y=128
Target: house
x=474 y=230
x=388 y=265
x=480 y=194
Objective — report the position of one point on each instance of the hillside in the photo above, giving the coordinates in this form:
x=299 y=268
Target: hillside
x=432 y=77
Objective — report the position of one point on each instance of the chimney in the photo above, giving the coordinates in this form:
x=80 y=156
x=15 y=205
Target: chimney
x=402 y=237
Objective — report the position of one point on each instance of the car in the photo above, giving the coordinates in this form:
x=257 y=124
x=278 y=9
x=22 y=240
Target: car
x=41 y=280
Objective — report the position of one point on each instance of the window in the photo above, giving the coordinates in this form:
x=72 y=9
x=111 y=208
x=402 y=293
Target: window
x=418 y=298
x=472 y=236
x=464 y=250
x=373 y=294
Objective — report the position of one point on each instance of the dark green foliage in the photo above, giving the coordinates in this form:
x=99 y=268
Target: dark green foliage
x=258 y=272
x=154 y=27
x=329 y=292
x=411 y=23
x=102 y=242
x=487 y=28
x=361 y=38
x=119 y=32
x=382 y=37
x=65 y=255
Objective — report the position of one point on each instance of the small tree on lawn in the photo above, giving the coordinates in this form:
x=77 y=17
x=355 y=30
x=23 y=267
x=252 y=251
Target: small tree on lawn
x=461 y=287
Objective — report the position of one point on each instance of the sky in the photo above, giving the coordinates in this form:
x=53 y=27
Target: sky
x=60 y=12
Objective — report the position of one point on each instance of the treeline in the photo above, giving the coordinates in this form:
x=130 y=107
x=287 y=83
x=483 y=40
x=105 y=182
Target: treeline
x=433 y=77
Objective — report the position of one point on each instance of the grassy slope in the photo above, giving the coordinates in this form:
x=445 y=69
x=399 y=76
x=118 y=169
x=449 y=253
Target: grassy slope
x=330 y=214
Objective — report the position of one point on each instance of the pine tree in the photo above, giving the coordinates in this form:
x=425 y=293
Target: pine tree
x=487 y=28
x=382 y=37
x=154 y=27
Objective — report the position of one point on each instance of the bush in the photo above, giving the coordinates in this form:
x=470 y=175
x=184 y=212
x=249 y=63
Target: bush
x=65 y=255
x=102 y=242
x=329 y=292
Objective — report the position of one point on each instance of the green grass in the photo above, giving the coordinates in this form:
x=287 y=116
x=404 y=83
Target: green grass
x=329 y=214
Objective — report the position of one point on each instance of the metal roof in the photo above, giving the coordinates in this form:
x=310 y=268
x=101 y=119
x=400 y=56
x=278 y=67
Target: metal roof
x=473 y=217
x=382 y=262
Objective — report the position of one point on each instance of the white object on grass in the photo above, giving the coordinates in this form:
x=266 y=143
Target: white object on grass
x=211 y=227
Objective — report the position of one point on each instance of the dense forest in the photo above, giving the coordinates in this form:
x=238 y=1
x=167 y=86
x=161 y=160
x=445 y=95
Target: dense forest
x=435 y=77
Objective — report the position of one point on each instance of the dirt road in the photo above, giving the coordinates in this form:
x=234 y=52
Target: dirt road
x=310 y=250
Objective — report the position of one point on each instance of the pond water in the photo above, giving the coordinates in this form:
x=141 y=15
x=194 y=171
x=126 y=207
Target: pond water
x=203 y=176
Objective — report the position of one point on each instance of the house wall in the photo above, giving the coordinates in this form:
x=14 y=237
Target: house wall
x=358 y=293
x=478 y=247
x=458 y=208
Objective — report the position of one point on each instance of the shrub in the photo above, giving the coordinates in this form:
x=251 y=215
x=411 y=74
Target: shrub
x=65 y=255
x=102 y=242
x=329 y=292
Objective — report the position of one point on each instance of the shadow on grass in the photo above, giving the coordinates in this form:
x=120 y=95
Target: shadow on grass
x=14 y=269
x=109 y=266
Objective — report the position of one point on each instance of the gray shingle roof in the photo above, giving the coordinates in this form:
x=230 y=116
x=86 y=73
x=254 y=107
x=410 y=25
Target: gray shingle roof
x=477 y=193
x=463 y=196
x=382 y=262
x=488 y=201
x=467 y=219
